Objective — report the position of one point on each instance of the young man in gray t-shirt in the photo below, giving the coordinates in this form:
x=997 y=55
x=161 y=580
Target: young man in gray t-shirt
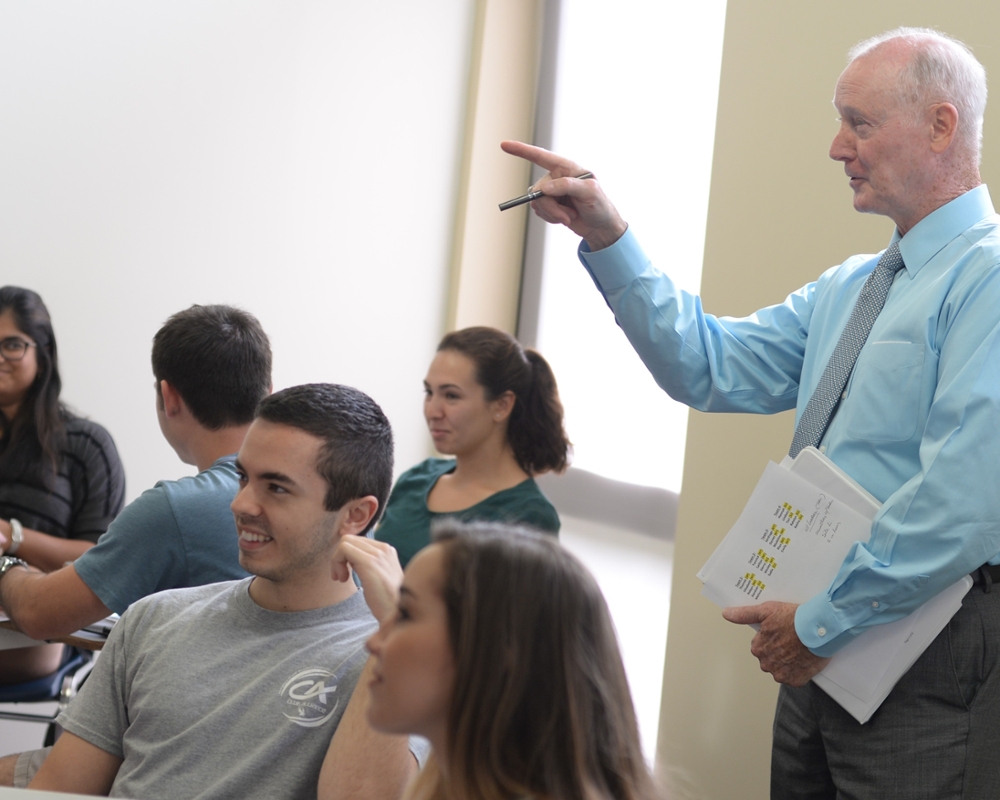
x=244 y=689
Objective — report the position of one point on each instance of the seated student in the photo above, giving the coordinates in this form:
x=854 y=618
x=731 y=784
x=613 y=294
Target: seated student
x=61 y=481
x=502 y=653
x=495 y=407
x=212 y=366
x=240 y=689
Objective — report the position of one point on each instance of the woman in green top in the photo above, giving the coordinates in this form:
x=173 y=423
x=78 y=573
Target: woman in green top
x=494 y=406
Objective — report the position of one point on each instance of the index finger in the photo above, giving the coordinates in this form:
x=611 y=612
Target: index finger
x=545 y=159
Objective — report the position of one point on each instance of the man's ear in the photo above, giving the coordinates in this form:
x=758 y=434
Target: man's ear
x=171 y=399
x=358 y=514
x=503 y=406
x=944 y=126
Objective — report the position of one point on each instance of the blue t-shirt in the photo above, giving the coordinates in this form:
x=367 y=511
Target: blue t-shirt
x=177 y=534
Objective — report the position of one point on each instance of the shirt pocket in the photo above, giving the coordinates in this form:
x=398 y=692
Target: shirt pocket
x=883 y=402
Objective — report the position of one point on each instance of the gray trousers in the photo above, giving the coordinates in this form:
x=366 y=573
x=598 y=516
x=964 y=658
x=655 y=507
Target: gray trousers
x=937 y=735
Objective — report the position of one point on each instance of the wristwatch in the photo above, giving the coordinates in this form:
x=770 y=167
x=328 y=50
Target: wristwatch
x=9 y=562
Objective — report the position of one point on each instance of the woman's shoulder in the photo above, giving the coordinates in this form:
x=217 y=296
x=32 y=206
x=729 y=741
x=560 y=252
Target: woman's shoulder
x=525 y=504
x=83 y=434
x=427 y=470
x=414 y=484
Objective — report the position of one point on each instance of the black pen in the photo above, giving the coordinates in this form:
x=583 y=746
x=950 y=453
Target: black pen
x=527 y=198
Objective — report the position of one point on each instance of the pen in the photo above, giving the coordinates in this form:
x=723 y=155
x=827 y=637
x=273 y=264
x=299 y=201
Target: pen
x=527 y=198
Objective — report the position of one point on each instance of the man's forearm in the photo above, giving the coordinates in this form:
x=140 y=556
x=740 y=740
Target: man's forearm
x=44 y=551
x=49 y=605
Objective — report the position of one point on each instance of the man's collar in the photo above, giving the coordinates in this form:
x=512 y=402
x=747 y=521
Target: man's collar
x=926 y=239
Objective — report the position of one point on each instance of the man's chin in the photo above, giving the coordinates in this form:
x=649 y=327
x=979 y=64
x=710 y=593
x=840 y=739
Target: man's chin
x=863 y=203
x=249 y=563
x=262 y=572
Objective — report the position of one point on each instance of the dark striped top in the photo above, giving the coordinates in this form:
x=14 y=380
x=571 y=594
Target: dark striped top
x=89 y=491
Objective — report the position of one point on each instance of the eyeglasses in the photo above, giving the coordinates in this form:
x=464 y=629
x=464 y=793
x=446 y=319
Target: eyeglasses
x=13 y=349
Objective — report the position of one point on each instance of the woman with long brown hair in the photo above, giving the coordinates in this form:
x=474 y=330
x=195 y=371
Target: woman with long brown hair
x=494 y=406
x=503 y=654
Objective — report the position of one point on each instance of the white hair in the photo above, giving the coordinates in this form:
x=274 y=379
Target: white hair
x=941 y=69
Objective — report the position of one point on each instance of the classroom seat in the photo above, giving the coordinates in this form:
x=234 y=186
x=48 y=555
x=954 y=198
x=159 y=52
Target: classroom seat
x=61 y=686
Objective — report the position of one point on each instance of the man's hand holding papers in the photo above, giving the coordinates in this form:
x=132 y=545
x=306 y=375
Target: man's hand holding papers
x=798 y=526
x=776 y=645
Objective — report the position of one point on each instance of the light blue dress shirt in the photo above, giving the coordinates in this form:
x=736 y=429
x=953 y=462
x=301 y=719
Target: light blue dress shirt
x=919 y=423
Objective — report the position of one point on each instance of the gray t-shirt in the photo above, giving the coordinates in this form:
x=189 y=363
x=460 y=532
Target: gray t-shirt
x=205 y=694
x=179 y=533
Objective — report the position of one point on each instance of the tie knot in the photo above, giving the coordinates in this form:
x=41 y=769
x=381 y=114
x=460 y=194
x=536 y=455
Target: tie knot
x=891 y=260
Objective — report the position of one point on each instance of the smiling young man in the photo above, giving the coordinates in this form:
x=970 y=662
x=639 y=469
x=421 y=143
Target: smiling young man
x=243 y=689
x=890 y=361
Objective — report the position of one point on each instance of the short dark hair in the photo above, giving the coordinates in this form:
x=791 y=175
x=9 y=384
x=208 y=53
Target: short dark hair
x=535 y=430
x=541 y=705
x=219 y=359
x=356 y=456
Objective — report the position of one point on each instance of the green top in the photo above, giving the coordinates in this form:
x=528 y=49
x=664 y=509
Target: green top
x=406 y=524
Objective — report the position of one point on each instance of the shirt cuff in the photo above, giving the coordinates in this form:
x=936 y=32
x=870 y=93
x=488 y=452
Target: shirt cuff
x=818 y=628
x=615 y=266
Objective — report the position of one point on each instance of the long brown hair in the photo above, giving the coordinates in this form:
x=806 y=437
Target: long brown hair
x=31 y=443
x=535 y=430
x=541 y=705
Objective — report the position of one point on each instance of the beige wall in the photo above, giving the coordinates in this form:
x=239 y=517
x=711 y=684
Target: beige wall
x=488 y=245
x=779 y=214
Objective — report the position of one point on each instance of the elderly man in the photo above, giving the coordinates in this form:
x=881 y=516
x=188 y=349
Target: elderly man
x=893 y=365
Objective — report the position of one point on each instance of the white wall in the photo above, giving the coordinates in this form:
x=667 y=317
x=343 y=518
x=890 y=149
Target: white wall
x=298 y=159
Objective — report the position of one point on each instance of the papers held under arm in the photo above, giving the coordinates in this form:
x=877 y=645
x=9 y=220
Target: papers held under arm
x=789 y=543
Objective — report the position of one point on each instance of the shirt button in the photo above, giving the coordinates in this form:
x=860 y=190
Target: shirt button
x=874 y=603
x=821 y=631
x=843 y=395
x=822 y=448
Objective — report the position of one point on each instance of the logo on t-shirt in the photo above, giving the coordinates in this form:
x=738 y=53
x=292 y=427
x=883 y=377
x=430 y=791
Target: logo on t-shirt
x=310 y=697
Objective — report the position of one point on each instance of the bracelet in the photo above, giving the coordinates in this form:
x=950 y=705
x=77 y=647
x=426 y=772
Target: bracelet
x=16 y=536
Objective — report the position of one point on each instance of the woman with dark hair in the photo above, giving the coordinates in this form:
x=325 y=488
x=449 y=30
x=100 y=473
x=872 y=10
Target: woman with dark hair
x=494 y=406
x=503 y=654
x=61 y=481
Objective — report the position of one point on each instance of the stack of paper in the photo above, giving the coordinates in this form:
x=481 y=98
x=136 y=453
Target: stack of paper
x=788 y=545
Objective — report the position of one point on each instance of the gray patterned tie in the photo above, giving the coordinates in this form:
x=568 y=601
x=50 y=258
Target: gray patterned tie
x=819 y=410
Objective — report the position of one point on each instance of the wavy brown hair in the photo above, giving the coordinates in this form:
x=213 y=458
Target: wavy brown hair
x=535 y=428
x=541 y=705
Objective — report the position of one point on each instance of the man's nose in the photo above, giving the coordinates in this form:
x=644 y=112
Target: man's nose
x=839 y=147
x=243 y=503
